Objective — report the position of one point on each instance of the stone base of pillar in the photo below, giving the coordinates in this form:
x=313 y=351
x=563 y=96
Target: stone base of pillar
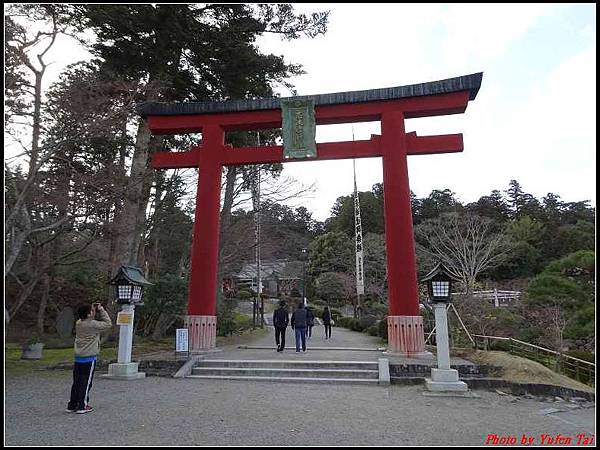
x=202 y=333
x=445 y=380
x=124 y=371
x=406 y=337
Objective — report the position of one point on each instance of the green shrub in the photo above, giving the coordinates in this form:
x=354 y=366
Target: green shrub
x=242 y=322
x=318 y=302
x=229 y=324
x=367 y=321
x=244 y=295
x=167 y=295
x=317 y=312
x=499 y=345
x=344 y=322
x=383 y=330
x=225 y=326
x=378 y=310
x=373 y=330
x=581 y=354
x=355 y=325
x=336 y=313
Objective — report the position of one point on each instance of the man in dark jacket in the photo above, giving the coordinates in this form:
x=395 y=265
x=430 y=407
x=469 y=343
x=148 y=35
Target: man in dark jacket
x=280 y=322
x=299 y=325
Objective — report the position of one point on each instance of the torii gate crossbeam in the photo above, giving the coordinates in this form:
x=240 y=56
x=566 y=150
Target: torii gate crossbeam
x=391 y=106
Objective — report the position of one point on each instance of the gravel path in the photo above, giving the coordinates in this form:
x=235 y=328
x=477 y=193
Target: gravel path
x=165 y=411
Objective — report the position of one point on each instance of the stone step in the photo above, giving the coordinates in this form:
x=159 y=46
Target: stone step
x=311 y=348
x=287 y=373
x=289 y=379
x=289 y=364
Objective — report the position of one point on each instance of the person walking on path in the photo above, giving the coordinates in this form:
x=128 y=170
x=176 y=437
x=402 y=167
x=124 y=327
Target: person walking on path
x=299 y=326
x=327 y=322
x=280 y=322
x=310 y=322
x=87 y=347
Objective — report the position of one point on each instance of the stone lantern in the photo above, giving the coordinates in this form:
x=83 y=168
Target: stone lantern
x=439 y=287
x=129 y=285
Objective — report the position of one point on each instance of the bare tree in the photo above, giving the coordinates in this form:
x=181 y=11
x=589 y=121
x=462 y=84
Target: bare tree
x=27 y=50
x=478 y=315
x=552 y=319
x=466 y=244
x=239 y=180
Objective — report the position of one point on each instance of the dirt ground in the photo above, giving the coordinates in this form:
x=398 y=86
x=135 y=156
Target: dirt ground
x=523 y=370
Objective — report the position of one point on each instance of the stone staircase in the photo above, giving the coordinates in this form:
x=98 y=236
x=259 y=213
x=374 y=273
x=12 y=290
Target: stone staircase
x=338 y=372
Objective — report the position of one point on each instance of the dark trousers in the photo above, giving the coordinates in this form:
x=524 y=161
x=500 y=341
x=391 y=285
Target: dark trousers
x=280 y=336
x=309 y=331
x=327 y=329
x=83 y=374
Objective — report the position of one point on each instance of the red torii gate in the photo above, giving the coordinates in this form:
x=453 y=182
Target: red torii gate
x=389 y=105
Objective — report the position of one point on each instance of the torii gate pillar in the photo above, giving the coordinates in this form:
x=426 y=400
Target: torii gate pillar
x=405 y=324
x=201 y=320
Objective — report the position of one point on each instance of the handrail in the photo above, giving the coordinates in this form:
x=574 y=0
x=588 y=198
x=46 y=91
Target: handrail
x=562 y=355
x=492 y=337
x=489 y=292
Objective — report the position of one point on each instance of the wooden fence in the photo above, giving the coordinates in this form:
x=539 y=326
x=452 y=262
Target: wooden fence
x=584 y=371
x=498 y=297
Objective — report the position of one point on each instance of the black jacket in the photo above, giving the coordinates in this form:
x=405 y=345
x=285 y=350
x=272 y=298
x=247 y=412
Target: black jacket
x=327 y=316
x=299 y=318
x=280 y=317
x=310 y=318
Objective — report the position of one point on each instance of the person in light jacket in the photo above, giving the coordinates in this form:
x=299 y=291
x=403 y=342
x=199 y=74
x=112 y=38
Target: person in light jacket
x=87 y=347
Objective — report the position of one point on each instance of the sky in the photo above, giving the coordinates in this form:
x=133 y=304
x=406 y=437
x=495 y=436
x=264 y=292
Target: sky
x=533 y=119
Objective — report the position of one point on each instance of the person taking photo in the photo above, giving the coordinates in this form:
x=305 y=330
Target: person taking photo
x=87 y=347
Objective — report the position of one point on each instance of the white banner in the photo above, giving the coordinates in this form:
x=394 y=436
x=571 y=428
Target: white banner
x=181 y=344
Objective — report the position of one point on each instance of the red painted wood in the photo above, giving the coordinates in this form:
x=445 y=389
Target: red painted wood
x=325 y=151
x=205 y=246
x=170 y=160
x=417 y=145
x=202 y=332
x=428 y=145
x=403 y=297
x=331 y=114
x=227 y=155
x=405 y=335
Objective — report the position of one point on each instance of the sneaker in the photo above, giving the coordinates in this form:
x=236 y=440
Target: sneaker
x=70 y=410
x=87 y=409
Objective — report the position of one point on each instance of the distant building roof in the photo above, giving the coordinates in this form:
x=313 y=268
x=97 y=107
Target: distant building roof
x=271 y=269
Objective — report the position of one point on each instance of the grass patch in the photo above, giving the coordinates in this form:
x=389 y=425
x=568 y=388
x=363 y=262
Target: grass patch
x=523 y=370
x=146 y=345
x=244 y=337
x=14 y=365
